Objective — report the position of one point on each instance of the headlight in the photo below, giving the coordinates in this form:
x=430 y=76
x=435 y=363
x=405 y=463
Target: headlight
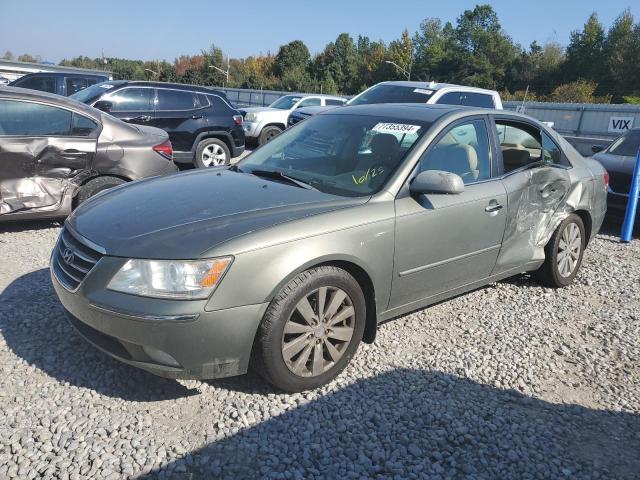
x=176 y=279
x=250 y=117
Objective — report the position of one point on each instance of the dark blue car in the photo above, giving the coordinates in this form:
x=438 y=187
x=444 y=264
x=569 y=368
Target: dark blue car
x=62 y=83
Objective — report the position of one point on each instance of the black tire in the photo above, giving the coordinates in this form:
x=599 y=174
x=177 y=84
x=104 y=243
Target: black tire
x=549 y=273
x=268 y=358
x=207 y=144
x=268 y=133
x=96 y=185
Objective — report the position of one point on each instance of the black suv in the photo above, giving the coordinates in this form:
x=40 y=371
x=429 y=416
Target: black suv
x=203 y=126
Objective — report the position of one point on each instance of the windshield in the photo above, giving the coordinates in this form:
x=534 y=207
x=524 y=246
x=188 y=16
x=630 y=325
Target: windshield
x=286 y=103
x=89 y=94
x=347 y=155
x=385 y=93
x=626 y=145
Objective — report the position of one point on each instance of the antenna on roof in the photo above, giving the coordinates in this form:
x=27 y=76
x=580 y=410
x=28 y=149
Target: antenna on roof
x=521 y=108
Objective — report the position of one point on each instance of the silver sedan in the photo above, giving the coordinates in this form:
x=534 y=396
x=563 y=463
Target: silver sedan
x=287 y=260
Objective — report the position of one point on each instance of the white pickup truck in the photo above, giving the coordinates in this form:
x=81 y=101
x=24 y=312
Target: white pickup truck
x=264 y=123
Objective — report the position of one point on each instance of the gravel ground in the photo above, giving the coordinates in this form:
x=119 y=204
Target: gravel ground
x=510 y=381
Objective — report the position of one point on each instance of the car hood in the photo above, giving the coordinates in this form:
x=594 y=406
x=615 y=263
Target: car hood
x=183 y=216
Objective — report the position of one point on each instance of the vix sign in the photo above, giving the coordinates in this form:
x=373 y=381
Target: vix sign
x=620 y=124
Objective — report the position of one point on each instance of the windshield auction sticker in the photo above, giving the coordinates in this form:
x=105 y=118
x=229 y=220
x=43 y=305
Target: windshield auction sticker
x=395 y=128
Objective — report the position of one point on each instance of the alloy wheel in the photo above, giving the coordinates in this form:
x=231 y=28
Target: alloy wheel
x=213 y=155
x=569 y=249
x=318 y=331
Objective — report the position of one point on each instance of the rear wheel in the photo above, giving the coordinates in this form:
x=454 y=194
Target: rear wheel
x=563 y=253
x=311 y=330
x=96 y=185
x=212 y=152
x=269 y=133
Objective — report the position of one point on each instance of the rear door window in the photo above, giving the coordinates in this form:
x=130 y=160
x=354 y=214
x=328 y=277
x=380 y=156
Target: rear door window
x=33 y=119
x=472 y=99
x=202 y=100
x=82 y=126
x=333 y=101
x=132 y=100
x=175 y=100
x=309 y=102
x=75 y=84
x=44 y=84
x=521 y=144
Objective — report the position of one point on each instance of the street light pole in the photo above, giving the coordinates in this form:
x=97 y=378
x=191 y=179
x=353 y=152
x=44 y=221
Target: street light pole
x=407 y=73
x=224 y=72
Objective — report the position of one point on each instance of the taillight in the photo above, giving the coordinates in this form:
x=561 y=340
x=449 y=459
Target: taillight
x=605 y=177
x=237 y=119
x=165 y=149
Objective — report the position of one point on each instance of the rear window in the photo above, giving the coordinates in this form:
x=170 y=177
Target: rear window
x=43 y=84
x=472 y=99
x=626 y=145
x=174 y=100
x=385 y=93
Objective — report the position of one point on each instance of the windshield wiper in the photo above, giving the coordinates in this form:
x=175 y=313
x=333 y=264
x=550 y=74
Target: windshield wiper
x=277 y=175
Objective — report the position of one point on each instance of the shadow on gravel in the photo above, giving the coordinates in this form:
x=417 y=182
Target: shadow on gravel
x=22 y=225
x=422 y=424
x=35 y=328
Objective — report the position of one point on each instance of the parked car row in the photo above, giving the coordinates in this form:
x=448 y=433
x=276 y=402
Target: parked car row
x=64 y=84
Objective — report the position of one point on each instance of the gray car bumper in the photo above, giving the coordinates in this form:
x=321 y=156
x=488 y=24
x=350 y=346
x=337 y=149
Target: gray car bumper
x=203 y=344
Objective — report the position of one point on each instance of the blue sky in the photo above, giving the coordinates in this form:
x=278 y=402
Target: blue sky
x=144 y=29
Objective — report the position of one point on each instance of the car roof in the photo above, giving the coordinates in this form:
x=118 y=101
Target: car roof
x=175 y=86
x=421 y=112
x=62 y=74
x=36 y=95
x=435 y=86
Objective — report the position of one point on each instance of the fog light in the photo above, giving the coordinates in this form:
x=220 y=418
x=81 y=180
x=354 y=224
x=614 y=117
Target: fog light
x=159 y=356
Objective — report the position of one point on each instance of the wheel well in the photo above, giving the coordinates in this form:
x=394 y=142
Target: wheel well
x=588 y=224
x=84 y=181
x=224 y=138
x=279 y=125
x=363 y=279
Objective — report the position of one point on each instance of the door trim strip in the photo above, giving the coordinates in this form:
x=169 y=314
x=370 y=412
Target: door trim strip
x=448 y=260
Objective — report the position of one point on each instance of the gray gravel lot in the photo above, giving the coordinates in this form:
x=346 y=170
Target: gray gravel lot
x=510 y=381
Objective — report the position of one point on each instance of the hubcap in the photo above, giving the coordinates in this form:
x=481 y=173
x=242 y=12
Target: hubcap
x=318 y=332
x=569 y=250
x=213 y=155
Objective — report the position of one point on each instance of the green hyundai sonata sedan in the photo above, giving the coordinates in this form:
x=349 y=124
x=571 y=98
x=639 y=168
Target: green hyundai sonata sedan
x=287 y=260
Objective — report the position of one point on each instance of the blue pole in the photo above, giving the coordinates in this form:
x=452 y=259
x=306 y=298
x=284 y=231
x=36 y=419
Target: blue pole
x=632 y=203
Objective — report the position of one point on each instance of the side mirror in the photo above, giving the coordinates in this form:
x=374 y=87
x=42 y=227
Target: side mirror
x=437 y=181
x=103 y=105
x=597 y=148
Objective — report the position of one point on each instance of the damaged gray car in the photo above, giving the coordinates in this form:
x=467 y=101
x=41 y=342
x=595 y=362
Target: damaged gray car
x=56 y=153
x=288 y=259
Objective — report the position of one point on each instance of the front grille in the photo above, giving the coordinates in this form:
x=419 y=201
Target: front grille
x=72 y=260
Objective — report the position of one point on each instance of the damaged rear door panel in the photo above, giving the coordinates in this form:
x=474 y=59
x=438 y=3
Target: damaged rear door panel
x=44 y=152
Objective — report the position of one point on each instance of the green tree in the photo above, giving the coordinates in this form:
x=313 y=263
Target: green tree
x=8 y=55
x=401 y=53
x=585 y=52
x=618 y=50
x=291 y=64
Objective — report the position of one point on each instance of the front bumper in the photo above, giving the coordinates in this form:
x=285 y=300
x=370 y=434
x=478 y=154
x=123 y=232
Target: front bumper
x=202 y=344
x=251 y=129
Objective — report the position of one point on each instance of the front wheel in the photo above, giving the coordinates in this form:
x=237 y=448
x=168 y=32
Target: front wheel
x=563 y=253
x=268 y=133
x=311 y=329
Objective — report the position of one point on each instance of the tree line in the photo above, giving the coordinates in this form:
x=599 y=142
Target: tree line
x=599 y=65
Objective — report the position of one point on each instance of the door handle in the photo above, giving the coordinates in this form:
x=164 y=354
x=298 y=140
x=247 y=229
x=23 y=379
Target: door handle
x=195 y=117
x=141 y=118
x=493 y=207
x=72 y=152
